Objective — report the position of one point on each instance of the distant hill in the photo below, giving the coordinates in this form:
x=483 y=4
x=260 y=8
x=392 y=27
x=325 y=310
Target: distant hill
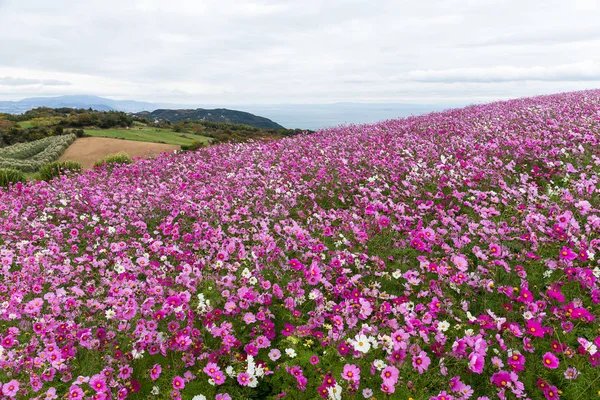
x=216 y=115
x=93 y=102
x=151 y=111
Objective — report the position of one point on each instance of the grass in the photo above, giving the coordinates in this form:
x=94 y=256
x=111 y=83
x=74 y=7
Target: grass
x=26 y=124
x=148 y=134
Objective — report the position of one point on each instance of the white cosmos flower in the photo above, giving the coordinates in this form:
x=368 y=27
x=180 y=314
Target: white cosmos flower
x=443 y=326
x=362 y=343
x=528 y=315
x=199 y=397
x=335 y=392
x=290 y=352
x=379 y=364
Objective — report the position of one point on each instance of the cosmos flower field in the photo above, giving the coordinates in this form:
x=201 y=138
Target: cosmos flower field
x=446 y=256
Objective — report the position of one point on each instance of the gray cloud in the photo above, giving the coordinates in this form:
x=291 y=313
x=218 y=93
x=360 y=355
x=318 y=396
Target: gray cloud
x=10 y=81
x=281 y=51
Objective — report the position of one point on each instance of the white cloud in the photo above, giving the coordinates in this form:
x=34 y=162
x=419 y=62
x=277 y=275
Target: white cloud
x=11 y=81
x=584 y=71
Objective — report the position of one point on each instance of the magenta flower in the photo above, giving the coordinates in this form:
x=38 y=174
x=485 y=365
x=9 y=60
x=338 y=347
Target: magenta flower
x=178 y=383
x=125 y=372
x=551 y=393
x=566 y=253
x=155 y=372
x=223 y=396
x=75 y=392
x=501 y=379
x=421 y=362
x=218 y=378
x=97 y=383
x=314 y=360
x=243 y=378
x=535 y=328
x=288 y=329
x=211 y=368
x=476 y=362
x=550 y=361
x=343 y=348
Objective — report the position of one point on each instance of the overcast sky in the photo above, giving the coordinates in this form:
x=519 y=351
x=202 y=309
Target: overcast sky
x=301 y=51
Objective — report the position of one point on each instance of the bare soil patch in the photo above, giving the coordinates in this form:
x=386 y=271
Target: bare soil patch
x=89 y=150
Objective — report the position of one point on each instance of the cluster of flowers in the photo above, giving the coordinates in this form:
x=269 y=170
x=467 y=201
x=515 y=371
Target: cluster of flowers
x=447 y=256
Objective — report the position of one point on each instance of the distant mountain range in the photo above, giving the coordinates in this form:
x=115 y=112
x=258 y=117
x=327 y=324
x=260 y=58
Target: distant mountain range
x=216 y=115
x=151 y=111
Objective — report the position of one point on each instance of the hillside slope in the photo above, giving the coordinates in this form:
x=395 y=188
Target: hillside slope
x=451 y=255
x=216 y=115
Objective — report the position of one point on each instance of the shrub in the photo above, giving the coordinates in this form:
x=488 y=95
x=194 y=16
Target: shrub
x=10 y=175
x=114 y=159
x=57 y=168
x=79 y=133
x=193 y=146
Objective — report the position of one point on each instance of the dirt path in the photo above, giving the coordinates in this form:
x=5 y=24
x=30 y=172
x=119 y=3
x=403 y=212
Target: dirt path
x=89 y=150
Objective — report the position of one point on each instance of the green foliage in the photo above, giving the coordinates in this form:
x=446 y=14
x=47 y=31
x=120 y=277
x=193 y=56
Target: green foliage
x=9 y=175
x=114 y=159
x=192 y=147
x=44 y=122
x=29 y=157
x=58 y=168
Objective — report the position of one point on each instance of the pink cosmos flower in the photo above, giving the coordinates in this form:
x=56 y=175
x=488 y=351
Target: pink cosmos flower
x=314 y=360
x=421 y=362
x=274 y=354
x=387 y=388
x=390 y=375
x=75 y=392
x=223 y=396
x=10 y=388
x=571 y=373
x=50 y=394
x=351 y=373
x=550 y=361
x=125 y=372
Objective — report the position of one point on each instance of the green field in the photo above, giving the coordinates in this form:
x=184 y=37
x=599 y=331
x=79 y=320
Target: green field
x=148 y=134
